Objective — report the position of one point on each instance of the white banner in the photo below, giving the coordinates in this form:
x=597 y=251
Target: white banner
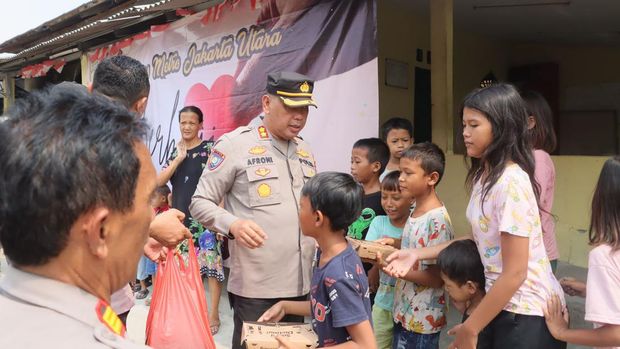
x=219 y=59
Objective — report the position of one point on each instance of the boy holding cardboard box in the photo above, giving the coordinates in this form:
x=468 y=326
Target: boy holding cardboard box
x=339 y=298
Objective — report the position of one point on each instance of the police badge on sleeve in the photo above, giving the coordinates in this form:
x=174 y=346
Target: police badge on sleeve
x=215 y=160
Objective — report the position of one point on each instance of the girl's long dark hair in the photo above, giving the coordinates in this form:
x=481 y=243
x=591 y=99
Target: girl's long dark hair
x=605 y=221
x=542 y=135
x=505 y=109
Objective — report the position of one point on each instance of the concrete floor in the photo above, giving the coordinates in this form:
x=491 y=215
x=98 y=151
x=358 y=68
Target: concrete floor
x=136 y=323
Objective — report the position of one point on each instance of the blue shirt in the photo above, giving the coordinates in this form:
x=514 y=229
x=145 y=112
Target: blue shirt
x=381 y=227
x=339 y=297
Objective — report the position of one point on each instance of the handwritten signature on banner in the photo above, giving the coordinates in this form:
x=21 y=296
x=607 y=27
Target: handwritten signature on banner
x=249 y=41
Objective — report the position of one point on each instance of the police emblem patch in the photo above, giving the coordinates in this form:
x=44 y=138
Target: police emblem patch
x=257 y=150
x=264 y=190
x=215 y=160
x=305 y=87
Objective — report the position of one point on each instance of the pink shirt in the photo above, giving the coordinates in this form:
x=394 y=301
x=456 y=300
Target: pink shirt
x=122 y=300
x=602 y=295
x=545 y=176
x=511 y=207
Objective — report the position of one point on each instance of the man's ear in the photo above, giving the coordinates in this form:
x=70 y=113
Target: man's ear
x=140 y=105
x=266 y=103
x=96 y=231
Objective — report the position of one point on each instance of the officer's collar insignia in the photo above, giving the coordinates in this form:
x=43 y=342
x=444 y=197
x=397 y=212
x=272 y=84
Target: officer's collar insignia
x=257 y=150
x=262 y=171
x=302 y=153
x=215 y=160
x=108 y=317
x=305 y=87
x=262 y=132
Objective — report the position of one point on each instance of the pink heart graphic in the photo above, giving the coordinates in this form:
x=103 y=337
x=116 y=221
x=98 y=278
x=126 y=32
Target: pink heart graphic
x=215 y=106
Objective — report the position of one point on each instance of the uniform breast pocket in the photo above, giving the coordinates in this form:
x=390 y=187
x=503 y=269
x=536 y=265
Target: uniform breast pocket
x=263 y=186
x=308 y=171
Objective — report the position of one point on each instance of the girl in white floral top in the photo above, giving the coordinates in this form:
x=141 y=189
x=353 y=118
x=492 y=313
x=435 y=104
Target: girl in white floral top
x=505 y=221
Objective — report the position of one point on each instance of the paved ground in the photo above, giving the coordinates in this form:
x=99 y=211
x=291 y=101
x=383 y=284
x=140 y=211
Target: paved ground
x=137 y=317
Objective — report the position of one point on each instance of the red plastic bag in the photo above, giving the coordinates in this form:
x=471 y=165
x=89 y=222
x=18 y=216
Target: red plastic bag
x=178 y=315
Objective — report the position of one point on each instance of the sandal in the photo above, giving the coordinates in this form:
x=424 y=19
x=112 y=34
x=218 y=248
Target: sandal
x=142 y=293
x=215 y=328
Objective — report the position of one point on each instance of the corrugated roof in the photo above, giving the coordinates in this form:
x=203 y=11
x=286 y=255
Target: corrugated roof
x=80 y=25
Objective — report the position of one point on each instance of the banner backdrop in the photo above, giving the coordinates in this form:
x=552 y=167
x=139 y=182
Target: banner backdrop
x=219 y=59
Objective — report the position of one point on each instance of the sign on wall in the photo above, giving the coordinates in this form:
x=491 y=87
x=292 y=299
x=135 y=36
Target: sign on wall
x=219 y=59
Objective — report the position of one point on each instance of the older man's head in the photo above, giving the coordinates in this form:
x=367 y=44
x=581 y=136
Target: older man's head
x=75 y=188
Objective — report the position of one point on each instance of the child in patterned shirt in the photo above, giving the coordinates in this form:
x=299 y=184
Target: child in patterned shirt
x=419 y=303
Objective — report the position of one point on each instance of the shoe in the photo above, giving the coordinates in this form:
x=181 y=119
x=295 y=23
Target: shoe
x=135 y=287
x=142 y=293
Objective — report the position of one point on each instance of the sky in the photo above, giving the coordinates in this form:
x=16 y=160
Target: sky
x=21 y=16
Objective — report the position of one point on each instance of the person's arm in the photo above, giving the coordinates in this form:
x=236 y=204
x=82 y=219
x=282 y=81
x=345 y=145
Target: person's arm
x=283 y=308
x=401 y=262
x=428 y=277
x=216 y=180
x=515 y=252
x=362 y=337
x=173 y=163
x=557 y=322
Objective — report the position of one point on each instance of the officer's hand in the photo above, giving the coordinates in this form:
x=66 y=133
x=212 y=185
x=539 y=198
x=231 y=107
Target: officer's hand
x=248 y=233
x=168 y=228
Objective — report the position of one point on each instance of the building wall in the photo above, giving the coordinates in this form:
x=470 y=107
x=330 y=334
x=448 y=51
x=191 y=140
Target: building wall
x=401 y=30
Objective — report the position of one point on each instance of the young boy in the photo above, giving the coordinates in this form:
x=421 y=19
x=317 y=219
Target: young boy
x=398 y=135
x=463 y=275
x=419 y=303
x=369 y=157
x=339 y=300
x=396 y=205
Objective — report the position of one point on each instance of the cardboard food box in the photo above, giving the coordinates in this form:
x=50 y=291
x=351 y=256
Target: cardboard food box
x=368 y=249
x=262 y=335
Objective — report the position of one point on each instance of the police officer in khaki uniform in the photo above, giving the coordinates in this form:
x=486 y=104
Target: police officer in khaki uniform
x=75 y=190
x=259 y=171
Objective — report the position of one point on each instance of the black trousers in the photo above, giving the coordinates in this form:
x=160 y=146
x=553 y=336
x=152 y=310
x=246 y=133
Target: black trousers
x=517 y=331
x=250 y=309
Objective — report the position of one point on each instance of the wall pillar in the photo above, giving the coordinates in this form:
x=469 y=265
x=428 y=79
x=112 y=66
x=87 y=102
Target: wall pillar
x=442 y=73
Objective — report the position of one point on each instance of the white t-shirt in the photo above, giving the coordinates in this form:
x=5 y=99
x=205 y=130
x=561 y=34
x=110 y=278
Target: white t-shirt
x=602 y=295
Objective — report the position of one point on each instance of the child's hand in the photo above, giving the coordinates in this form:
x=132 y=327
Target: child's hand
x=556 y=318
x=400 y=262
x=273 y=314
x=284 y=343
x=386 y=241
x=464 y=339
x=573 y=287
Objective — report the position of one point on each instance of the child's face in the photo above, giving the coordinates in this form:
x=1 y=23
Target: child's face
x=458 y=293
x=477 y=132
x=398 y=140
x=413 y=180
x=395 y=203
x=307 y=217
x=158 y=200
x=361 y=169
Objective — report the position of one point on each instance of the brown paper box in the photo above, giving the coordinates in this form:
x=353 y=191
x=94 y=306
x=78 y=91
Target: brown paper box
x=262 y=335
x=368 y=249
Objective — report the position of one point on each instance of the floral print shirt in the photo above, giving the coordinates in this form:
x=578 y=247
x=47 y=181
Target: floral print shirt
x=510 y=207
x=422 y=309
